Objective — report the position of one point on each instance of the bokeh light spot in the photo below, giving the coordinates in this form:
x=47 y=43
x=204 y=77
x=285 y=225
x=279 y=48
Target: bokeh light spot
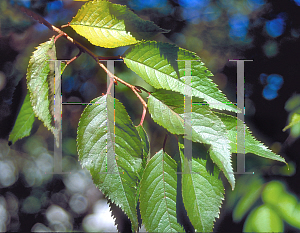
x=270 y=48
x=275 y=81
x=78 y=203
x=238 y=26
x=31 y=205
x=3 y=214
x=199 y=4
x=269 y=93
x=276 y=26
x=263 y=78
x=58 y=218
x=39 y=227
x=297 y=2
x=7 y=173
x=54 y=6
x=101 y=220
x=78 y=181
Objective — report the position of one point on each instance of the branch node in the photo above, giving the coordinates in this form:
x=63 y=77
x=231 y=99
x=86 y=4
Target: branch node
x=65 y=25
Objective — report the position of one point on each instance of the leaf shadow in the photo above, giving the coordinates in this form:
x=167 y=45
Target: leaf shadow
x=170 y=53
x=138 y=28
x=201 y=151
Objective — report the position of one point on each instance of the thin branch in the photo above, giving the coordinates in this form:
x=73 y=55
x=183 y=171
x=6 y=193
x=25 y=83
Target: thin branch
x=137 y=94
x=74 y=58
x=66 y=25
x=143 y=116
x=110 y=85
x=58 y=36
x=86 y=50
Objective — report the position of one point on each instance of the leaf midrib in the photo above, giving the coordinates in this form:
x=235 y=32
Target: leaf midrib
x=102 y=28
x=177 y=81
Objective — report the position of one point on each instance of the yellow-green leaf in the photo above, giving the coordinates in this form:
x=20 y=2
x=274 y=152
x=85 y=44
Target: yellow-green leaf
x=111 y=25
x=295 y=120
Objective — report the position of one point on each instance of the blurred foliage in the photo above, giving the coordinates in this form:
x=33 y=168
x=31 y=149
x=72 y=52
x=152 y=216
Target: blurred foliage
x=293 y=107
x=270 y=205
x=11 y=20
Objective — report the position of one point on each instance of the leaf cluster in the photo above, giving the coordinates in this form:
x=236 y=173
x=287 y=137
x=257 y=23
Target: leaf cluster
x=116 y=152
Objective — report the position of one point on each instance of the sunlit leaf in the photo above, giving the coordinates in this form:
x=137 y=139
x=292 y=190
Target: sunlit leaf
x=96 y=141
x=111 y=25
x=157 y=64
x=158 y=194
x=294 y=120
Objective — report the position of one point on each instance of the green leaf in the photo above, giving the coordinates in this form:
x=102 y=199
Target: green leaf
x=111 y=25
x=158 y=194
x=246 y=202
x=146 y=152
x=40 y=81
x=284 y=203
x=24 y=122
x=292 y=103
x=263 y=219
x=96 y=139
x=202 y=193
x=206 y=127
x=145 y=143
x=294 y=120
x=156 y=64
x=252 y=145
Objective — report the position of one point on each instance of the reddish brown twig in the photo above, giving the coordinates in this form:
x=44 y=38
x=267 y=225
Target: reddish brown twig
x=111 y=81
x=143 y=116
x=66 y=25
x=84 y=49
x=74 y=58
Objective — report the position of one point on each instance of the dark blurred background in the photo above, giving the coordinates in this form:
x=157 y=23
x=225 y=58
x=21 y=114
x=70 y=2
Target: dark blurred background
x=267 y=32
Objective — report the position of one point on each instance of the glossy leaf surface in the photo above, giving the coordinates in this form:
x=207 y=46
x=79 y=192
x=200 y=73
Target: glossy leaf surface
x=206 y=127
x=97 y=149
x=202 y=193
x=158 y=194
x=111 y=25
x=158 y=65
